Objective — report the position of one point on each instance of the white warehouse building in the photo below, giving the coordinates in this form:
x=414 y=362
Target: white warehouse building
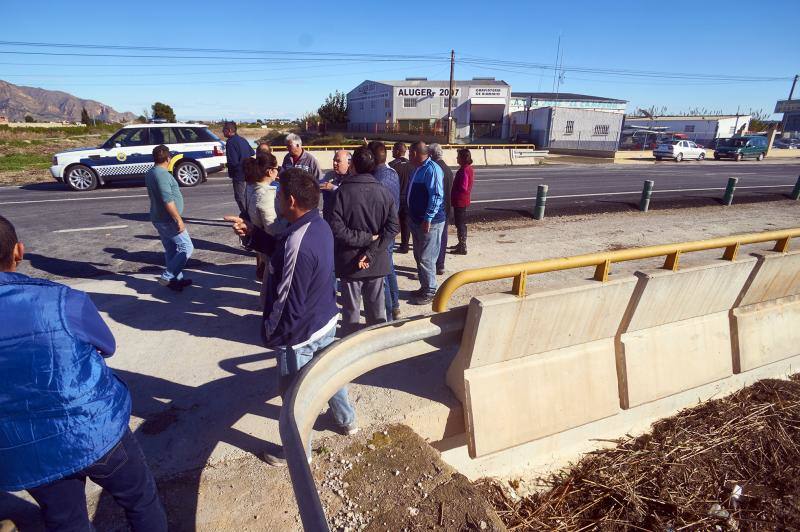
x=417 y=105
x=703 y=129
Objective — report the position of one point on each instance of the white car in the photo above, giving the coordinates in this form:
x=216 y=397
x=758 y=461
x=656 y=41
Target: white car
x=679 y=150
x=196 y=153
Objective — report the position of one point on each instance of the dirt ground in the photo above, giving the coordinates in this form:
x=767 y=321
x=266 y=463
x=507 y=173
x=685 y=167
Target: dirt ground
x=727 y=464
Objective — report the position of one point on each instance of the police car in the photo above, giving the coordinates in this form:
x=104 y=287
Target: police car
x=196 y=153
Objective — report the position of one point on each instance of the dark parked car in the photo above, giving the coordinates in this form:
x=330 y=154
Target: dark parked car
x=741 y=147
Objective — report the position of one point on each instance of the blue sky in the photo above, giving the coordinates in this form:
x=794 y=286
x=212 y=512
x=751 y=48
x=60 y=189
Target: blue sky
x=639 y=36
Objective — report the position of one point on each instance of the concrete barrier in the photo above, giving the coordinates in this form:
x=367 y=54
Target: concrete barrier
x=766 y=323
x=527 y=368
x=533 y=367
x=497 y=156
x=676 y=334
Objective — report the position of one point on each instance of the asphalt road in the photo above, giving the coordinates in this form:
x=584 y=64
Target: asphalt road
x=107 y=231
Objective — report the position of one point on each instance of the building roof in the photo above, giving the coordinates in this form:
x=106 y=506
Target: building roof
x=435 y=83
x=691 y=117
x=565 y=96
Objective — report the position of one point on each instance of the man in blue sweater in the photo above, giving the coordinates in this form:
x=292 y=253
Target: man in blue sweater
x=63 y=413
x=237 y=149
x=426 y=217
x=300 y=316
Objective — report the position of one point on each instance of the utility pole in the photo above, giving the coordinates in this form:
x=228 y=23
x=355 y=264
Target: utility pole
x=450 y=97
x=794 y=84
x=791 y=93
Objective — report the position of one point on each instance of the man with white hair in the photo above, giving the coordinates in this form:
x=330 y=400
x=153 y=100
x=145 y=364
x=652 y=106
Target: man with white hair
x=297 y=157
x=437 y=154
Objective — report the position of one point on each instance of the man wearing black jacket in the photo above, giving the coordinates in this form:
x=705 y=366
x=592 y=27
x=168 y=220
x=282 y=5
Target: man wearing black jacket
x=404 y=170
x=436 y=155
x=363 y=221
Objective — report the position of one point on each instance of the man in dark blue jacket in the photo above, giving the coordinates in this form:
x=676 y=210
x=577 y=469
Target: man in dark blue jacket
x=237 y=149
x=300 y=316
x=63 y=413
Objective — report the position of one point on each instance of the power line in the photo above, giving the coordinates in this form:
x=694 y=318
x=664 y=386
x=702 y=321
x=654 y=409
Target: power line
x=218 y=51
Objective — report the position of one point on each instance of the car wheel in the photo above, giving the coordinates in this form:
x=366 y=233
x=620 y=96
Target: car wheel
x=716 y=157
x=760 y=157
x=738 y=157
x=81 y=178
x=188 y=174
x=659 y=158
x=679 y=158
x=701 y=156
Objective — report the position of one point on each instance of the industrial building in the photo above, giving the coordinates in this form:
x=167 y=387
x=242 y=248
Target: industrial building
x=791 y=117
x=566 y=121
x=418 y=105
x=702 y=129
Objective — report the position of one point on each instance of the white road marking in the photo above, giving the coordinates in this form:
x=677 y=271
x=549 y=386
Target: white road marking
x=625 y=193
x=70 y=199
x=91 y=228
x=509 y=179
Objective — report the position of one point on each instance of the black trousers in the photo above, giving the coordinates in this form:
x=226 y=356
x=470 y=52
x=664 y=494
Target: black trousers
x=460 y=215
x=405 y=232
x=123 y=473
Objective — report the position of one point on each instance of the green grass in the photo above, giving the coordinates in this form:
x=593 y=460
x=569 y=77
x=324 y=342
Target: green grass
x=19 y=161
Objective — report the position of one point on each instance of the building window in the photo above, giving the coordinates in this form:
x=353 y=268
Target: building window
x=387 y=104
x=372 y=104
x=409 y=102
x=444 y=103
x=688 y=129
x=601 y=129
x=360 y=106
x=570 y=127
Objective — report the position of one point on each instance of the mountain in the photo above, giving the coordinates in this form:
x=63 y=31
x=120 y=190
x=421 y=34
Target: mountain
x=52 y=106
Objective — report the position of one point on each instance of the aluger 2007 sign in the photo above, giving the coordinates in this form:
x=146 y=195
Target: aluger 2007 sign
x=425 y=92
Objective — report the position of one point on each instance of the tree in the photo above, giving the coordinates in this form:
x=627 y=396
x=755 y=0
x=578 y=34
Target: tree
x=162 y=110
x=85 y=118
x=334 y=110
x=29 y=119
x=759 y=120
x=141 y=119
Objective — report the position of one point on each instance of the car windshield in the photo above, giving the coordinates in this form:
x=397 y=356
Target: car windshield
x=733 y=143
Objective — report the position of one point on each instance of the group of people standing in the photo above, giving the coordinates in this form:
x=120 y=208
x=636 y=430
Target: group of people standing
x=64 y=414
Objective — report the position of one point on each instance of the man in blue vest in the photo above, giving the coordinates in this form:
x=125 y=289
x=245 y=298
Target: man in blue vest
x=63 y=413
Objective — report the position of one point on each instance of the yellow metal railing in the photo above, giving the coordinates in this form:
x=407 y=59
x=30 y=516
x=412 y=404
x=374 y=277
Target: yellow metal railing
x=603 y=261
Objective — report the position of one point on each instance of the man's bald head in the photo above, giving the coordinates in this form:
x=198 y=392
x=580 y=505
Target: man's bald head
x=341 y=162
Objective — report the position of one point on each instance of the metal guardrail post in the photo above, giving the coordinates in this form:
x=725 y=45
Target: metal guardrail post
x=541 y=200
x=796 y=190
x=647 y=191
x=727 y=199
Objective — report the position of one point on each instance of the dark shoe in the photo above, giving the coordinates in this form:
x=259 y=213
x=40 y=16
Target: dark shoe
x=402 y=249
x=421 y=300
x=275 y=459
x=185 y=282
x=395 y=314
x=439 y=271
x=172 y=284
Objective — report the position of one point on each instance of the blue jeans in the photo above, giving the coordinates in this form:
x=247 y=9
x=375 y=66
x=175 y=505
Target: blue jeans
x=390 y=289
x=426 y=251
x=123 y=473
x=177 y=249
x=291 y=360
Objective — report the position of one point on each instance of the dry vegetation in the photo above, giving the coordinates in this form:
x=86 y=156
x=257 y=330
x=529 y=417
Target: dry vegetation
x=25 y=153
x=728 y=464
